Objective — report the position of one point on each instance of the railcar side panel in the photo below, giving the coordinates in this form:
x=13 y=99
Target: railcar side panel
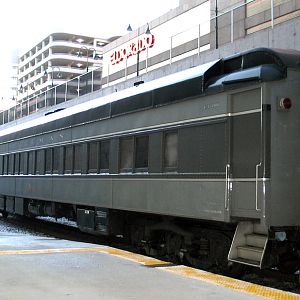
x=184 y=198
x=35 y=187
x=85 y=191
x=284 y=202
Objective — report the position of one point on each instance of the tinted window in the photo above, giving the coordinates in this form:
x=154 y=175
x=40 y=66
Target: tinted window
x=5 y=165
x=126 y=151
x=31 y=162
x=104 y=155
x=11 y=163
x=23 y=163
x=1 y=164
x=40 y=162
x=17 y=163
x=141 y=152
x=56 y=160
x=171 y=150
x=93 y=157
x=78 y=158
x=68 y=159
x=48 y=159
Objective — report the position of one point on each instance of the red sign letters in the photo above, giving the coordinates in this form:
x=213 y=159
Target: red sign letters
x=144 y=42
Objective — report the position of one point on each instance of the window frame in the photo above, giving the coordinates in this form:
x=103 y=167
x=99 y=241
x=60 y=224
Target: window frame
x=17 y=163
x=1 y=164
x=70 y=170
x=47 y=151
x=131 y=169
x=140 y=169
x=103 y=170
x=58 y=160
x=31 y=164
x=40 y=170
x=168 y=169
x=76 y=170
x=134 y=168
x=89 y=170
x=11 y=164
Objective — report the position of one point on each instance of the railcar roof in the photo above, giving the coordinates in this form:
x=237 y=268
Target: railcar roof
x=185 y=75
x=207 y=73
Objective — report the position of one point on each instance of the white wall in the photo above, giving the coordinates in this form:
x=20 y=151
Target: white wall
x=180 y=29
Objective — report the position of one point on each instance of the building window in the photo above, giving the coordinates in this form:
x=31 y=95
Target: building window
x=93 y=157
x=126 y=157
x=141 y=152
x=104 y=156
x=48 y=160
x=171 y=151
x=78 y=158
x=68 y=159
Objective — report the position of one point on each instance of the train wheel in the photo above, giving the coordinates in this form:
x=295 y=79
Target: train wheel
x=4 y=214
x=234 y=270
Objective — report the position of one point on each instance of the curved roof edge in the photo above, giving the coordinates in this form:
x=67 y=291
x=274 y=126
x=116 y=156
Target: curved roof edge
x=260 y=56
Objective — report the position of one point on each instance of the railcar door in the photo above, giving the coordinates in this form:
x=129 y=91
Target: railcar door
x=246 y=147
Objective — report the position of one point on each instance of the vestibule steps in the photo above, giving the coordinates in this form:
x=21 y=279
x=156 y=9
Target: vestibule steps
x=249 y=244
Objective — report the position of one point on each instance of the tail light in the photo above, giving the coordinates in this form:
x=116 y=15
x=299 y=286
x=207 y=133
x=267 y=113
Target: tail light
x=285 y=103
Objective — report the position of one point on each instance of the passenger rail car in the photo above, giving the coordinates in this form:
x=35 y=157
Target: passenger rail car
x=202 y=165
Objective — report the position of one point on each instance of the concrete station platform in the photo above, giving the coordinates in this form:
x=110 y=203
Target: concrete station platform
x=38 y=267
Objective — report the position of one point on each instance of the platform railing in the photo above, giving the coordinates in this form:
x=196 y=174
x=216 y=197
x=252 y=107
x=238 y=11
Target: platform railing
x=74 y=88
x=223 y=24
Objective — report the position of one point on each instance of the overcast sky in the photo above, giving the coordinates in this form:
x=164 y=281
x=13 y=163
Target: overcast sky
x=23 y=23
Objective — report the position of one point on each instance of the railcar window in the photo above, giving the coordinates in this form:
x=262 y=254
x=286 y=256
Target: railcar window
x=104 y=156
x=171 y=151
x=126 y=157
x=93 y=157
x=56 y=160
x=78 y=158
x=22 y=162
x=68 y=159
x=17 y=163
x=11 y=165
x=31 y=162
x=1 y=164
x=5 y=165
x=48 y=160
x=141 y=152
x=40 y=162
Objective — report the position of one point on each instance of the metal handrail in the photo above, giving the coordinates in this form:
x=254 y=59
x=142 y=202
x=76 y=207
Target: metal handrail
x=256 y=186
x=227 y=186
x=42 y=97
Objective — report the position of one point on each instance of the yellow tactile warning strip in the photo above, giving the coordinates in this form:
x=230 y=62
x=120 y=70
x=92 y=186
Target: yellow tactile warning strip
x=227 y=282
x=48 y=251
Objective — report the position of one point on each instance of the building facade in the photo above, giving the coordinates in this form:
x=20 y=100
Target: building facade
x=191 y=34
x=56 y=59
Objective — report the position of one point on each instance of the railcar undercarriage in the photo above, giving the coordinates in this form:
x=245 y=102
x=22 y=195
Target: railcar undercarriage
x=200 y=244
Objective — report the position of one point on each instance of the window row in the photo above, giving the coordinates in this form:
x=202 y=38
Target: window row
x=200 y=149
x=92 y=157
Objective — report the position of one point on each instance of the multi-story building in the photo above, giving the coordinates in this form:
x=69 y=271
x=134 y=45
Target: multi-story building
x=56 y=59
x=14 y=75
